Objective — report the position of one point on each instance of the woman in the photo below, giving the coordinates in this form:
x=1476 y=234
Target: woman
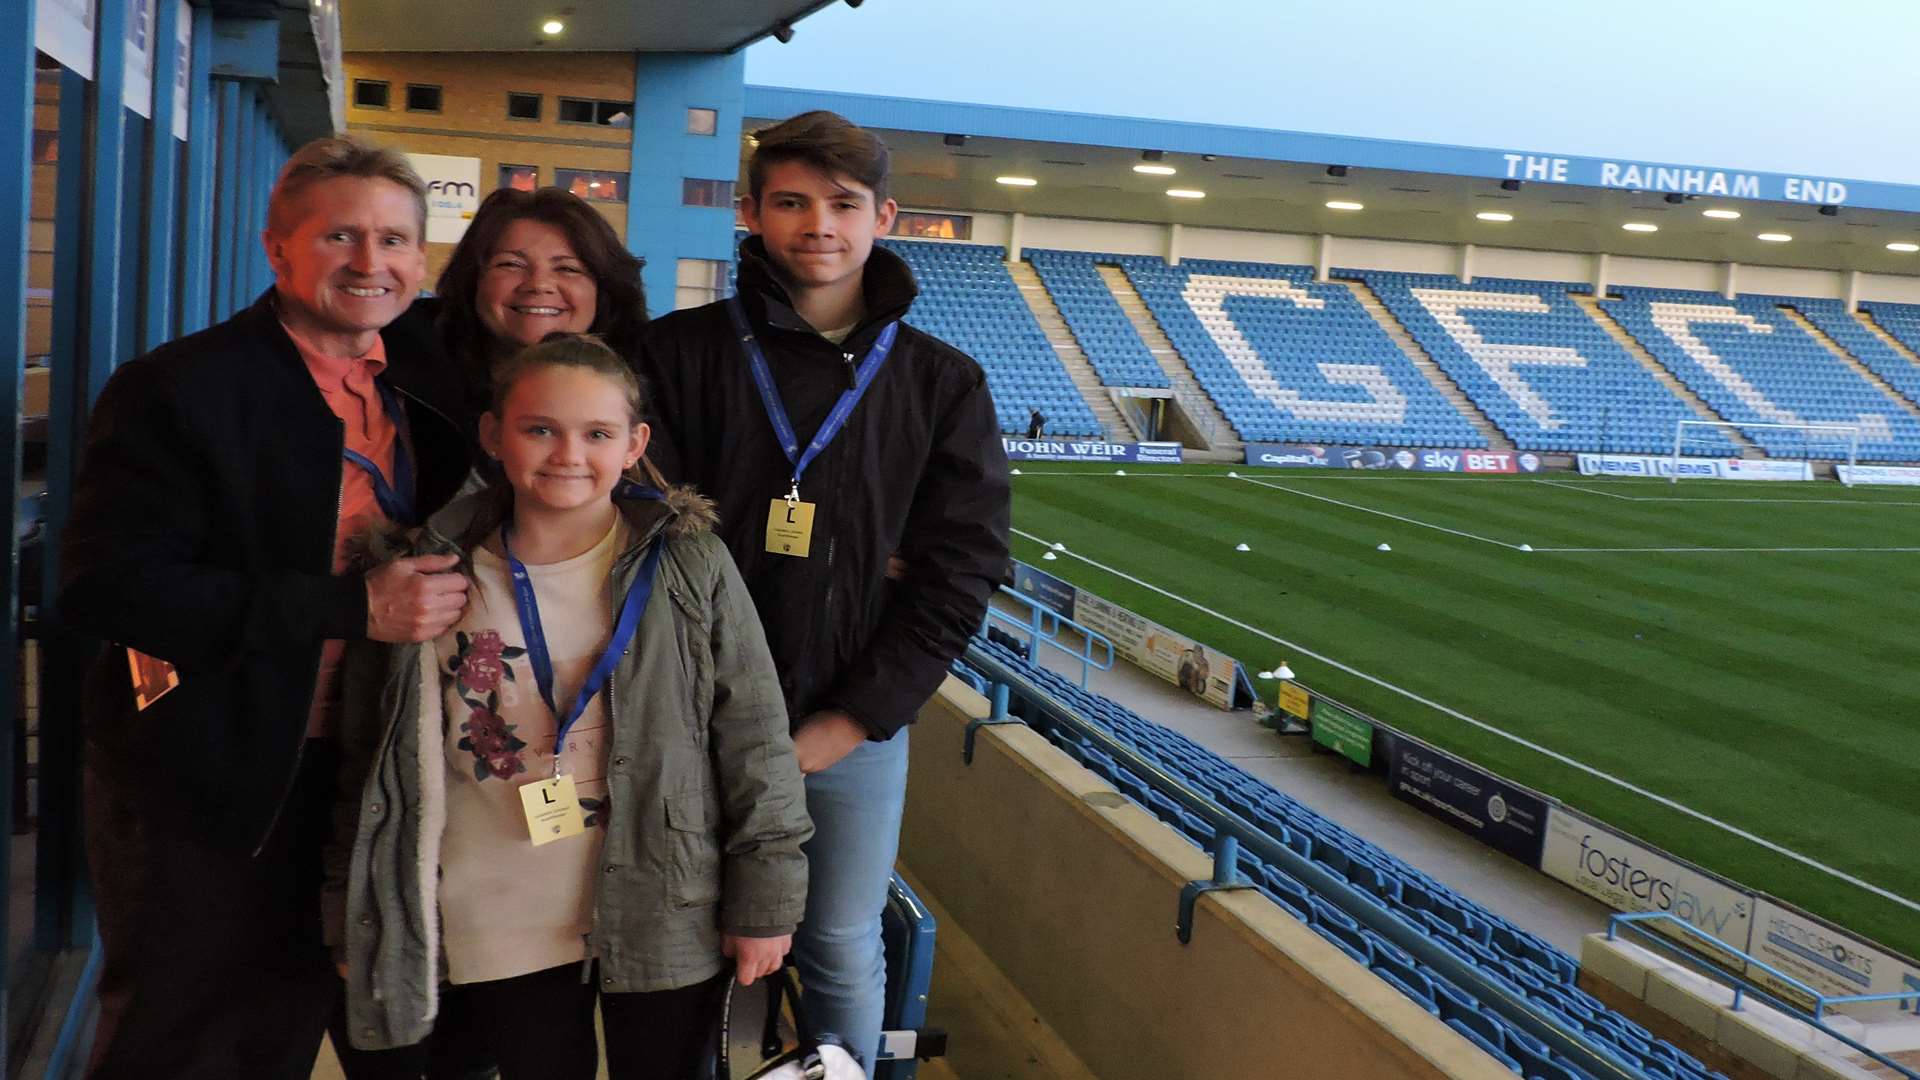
x=531 y=263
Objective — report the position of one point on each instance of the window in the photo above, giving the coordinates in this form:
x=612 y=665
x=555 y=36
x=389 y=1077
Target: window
x=369 y=93
x=595 y=185
x=523 y=106
x=604 y=113
x=706 y=192
x=422 y=98
x=702 y=121
x=934 y=226
x=699 y=281
x=520 y=177
x=46 y=146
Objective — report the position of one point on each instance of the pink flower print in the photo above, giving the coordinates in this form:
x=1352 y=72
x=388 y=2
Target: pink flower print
x=495 y=749
x=481 y=669
x=504 y=765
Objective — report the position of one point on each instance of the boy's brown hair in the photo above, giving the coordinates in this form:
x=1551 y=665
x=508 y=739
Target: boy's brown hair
x=828 y=142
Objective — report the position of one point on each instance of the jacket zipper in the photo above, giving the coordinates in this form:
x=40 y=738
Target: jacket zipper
x=300 y=749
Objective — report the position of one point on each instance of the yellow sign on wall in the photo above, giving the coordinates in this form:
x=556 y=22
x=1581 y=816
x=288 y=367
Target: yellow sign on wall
x=1294 y=701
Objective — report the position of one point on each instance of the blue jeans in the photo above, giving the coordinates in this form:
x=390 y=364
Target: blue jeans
x=856 y=808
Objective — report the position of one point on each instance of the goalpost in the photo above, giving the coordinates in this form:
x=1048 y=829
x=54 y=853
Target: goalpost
x=1828 y=440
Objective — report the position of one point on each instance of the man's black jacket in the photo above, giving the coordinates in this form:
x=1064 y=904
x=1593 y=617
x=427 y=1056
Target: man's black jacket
x=202 y=533
x=918 y=470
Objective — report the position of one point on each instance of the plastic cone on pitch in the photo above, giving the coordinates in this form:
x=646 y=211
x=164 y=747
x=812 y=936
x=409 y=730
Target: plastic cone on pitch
x=1049 y=557
x=1241 y=547
x=1526 y=547
x=1384 y=547
x=1283 y=671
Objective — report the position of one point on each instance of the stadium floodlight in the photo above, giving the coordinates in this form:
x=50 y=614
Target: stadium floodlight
x=1344 y=204
x=1283 y=671
x=1902 y=246
x=552 y=27
x=1835 y=441
x=1723 y=215
x=1186 y=193
x=1016 y=181
x=1493 y=215
x=1774 y=237
x=1155 y=170
x=1640 y=226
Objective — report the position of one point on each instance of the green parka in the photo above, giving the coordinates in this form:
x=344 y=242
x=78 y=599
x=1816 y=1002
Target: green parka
x=701 y=761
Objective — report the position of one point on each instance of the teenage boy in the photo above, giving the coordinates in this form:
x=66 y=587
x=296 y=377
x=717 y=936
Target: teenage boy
x=834 y=436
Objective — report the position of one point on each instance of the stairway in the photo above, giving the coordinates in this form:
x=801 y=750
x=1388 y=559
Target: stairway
x=1867 y=320
x=1852 y=361
x=1658 y=371
x=1118 y=426
x=1415 y=352
x=1224 y=444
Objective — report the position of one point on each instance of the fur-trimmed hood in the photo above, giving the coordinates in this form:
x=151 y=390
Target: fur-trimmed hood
x=677 y=511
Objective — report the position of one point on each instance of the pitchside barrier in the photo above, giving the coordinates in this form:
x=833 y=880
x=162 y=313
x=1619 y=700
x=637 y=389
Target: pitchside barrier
x=1146 y=453
x=1619 y=870
x=1322 y=456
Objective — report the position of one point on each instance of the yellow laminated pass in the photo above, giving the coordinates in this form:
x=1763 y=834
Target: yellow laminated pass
x=553 y=811
x=790 y=528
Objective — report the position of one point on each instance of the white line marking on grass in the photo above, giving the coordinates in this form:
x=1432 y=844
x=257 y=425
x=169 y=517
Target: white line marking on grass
x=1384 y=514
x=1725 y=550
x=1581 y=766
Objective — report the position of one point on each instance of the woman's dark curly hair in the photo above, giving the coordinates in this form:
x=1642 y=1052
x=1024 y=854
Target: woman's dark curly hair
x=620 y=311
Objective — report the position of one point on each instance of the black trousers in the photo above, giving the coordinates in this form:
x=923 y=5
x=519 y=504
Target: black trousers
x=213 y=963
x=540 y=1027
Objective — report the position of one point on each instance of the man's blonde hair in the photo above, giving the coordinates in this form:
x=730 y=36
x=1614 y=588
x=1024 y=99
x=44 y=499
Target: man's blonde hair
x=335 y=156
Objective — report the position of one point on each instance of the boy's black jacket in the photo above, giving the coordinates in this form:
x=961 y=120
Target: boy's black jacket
x=202 y=533
x=918 y=470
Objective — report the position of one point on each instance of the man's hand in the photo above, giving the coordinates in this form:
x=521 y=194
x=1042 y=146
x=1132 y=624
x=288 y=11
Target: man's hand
x=825 y=738
x=417 y=599
x=755 y=956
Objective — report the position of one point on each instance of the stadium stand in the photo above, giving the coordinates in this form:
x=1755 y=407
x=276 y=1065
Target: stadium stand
x=1519 y=961
x=968 y=299
x=1096 y=320
x=1902 y=321
x=1751 y=363
x=1537 y=365
x=1288 y=359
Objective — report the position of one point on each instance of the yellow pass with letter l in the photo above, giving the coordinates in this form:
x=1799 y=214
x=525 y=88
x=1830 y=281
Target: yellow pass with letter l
x=553 y=811
x=790 y=528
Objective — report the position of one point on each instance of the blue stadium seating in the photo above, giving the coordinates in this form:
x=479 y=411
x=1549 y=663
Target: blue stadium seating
x=1902 y=321
x=1752 y=364
x=968 y=299
x=1290 y=360
x=1542 y=369
x=1111 y=343
x=1523 y=962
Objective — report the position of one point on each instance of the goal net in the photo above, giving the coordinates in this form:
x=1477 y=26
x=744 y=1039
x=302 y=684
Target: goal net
x=1794 y=442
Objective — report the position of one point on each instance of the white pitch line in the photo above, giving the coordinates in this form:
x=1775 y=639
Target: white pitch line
x=1786 y=501
x=1726 y=550
x=1555 y=755
x=1384 y=514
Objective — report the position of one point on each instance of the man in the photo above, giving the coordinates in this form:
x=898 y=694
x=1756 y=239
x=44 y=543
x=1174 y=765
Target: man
x=904 y=457
x=225 y=479
x=1036 y=424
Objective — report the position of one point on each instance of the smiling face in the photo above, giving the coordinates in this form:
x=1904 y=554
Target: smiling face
x=563 y=436
x=818 y=229
x=349 y=261
x=534 y=284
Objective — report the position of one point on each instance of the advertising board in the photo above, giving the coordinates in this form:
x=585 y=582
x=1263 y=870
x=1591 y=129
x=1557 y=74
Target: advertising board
x=453 y=194
x=1500 y=815
x=1029 y=580
x=1697 y=468
x=1147 y=453
x=1905 y=475
x=1205 y=673
x=1831 y=961
x=1318 y=456
x=1342 y=732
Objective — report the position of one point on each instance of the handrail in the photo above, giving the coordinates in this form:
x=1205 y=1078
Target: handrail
x=1741 y=987
x=1044 y=624
x=1598 y=1062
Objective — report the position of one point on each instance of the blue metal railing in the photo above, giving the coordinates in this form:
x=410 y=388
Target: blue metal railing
x=1044 y=625
x=1816 y=1018
x=1234 y=832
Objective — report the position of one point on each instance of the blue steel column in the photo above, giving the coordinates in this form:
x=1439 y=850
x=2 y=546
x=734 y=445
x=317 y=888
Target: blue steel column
x=16 y=204
x=196 y=211
x=163 y=188
x=133 y=190
x=247 y=122
x=226 y=218
x=107 y=217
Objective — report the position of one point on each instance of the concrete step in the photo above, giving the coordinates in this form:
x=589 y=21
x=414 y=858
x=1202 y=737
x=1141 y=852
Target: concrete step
x=1418 y=355
x=1658 y=370
x=1867 y=320
x=1193 y=400
x=1852 y=361
x=1119 y=426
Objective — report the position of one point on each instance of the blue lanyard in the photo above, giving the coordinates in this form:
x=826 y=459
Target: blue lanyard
x=395 y=499
x=777 y=410
x=624 y=627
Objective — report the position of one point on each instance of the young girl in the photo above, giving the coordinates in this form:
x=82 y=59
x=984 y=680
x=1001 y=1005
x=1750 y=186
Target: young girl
x=585 y=792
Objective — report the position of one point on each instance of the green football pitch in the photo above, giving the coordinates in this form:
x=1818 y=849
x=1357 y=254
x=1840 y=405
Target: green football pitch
x=1750 y=652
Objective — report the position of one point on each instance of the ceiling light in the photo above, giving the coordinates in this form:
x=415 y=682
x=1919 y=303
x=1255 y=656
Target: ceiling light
x=1186 y=193
x=1723 y=215
x=1016 y=181
x=1341 y=204
x=1640 y=226
x=1493 y=215
x=1775 y=237
x=1901 y=246
x=1155 y=170
x=552 y=26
